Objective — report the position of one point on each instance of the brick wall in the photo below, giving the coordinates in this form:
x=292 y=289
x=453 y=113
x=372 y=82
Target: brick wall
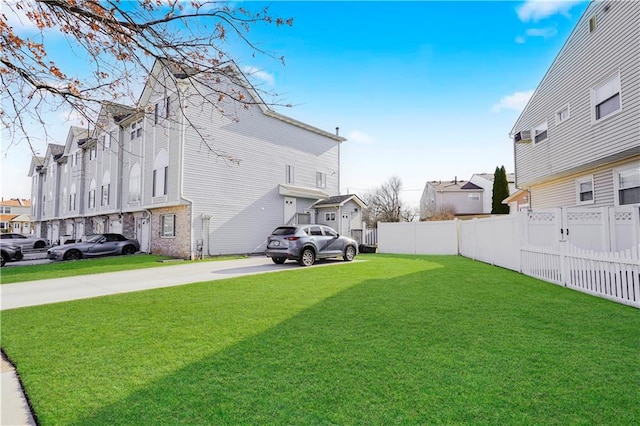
x=178 y=246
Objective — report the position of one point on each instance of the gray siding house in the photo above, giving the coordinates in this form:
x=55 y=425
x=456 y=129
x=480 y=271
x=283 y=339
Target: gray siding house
x=457 y=197
x=190 y=178
x=577 y=142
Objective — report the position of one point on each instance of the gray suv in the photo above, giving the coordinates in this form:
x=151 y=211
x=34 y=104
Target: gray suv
x=306 y=243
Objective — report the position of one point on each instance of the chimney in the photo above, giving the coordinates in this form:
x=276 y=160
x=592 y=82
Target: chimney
x=455 y=180
x=337 y=131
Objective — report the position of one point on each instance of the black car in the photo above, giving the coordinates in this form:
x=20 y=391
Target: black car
x=10 y=252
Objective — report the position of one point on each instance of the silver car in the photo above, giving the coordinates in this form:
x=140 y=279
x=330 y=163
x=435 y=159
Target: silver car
x=306 y=243
x=25 y=242
x=94 y=246
x=9 y=252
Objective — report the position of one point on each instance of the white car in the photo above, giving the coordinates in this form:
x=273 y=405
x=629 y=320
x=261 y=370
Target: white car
x=25 y=242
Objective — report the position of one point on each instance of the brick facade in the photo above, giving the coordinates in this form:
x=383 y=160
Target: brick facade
x=178 y=246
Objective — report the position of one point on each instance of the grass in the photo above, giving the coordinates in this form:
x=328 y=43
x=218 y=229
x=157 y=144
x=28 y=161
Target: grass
x=394 y=340
x=14 y=274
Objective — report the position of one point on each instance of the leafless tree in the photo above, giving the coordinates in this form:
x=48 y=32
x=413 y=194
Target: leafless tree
x=119 y=41
x=384 y=204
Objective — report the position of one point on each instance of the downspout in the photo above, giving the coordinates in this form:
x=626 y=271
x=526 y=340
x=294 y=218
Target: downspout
x=183 y=139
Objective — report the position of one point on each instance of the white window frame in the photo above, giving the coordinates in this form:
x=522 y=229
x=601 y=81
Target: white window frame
x=135 y=181
x=559 y=112
x=321 y=180
x=473 y=196
x=168 y=226
x=91 y=202
x=542 y=128
x=608 y=88
x=106 y=190
x=160 y=179
x=616 y=181
x=330 y=216
x=579 y=182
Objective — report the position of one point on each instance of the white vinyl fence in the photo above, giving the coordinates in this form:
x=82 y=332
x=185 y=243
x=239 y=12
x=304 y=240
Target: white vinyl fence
x=595 y=251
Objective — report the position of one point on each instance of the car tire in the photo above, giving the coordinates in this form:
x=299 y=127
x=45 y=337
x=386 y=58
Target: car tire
x=278 y=260
x=349 y=253
x=39 y=245
x=73 y=255
x=307 y=257
x=128 y=250
x=5 y=259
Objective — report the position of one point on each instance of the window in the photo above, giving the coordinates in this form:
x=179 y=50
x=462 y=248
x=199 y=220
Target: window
x=289 y=174
x=63 y=200
x=321 y=180
x=330 y=216
x=167 y=105
x=72 y=198
x=92 y=153
x=156 y=111
x=540 y=132
x=330 y=232
x=136 y=130
x=135 y=178
x=474 y=196
x=606 y=98
x=92 y=194
x=627 y=185
x=160 y=174
x=5 y=210
x=103 y=141
x=584 y=190
x=168 y=225
x=106 y=189
x=562 y=115
x=592 y=24
x=314 y=231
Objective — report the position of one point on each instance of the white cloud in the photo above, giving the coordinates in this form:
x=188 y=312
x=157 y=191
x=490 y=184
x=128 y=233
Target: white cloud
x=537 y=10
x=542 y=32
x=259 y=74
x=516 y=101
x=359 y=137
x=521 y=39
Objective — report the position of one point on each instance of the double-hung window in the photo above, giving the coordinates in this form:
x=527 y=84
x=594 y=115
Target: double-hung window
x=168 y=225
x=330 y=216
x=606 y=98
x=562 y=114
x=584 y=190
x=540 y=132
x=321 y=180
x=627 y=185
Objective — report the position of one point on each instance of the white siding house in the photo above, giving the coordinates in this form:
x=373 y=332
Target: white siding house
x=577 y=142
x=485 y=181
x=190 y=172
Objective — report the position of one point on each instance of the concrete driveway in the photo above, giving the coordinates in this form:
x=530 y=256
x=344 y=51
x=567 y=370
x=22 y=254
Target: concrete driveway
x=42 y=292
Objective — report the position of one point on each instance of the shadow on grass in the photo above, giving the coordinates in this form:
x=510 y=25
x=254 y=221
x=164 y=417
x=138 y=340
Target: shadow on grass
x=436 y=346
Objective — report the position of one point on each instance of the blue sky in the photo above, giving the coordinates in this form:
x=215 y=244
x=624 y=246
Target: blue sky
x=422 y=90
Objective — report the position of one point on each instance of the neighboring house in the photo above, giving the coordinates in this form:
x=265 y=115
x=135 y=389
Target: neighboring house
x=517 y=201
x=457 y=197
x=15 y=216
x=577 y=142
x=485 y=181
x=184 y=177
x=342 y=213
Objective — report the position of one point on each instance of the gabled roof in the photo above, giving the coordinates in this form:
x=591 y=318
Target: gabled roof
x=7 y=217
x=35 y=163
x=227 y=69
x=470 y=185
x=22 y=218
x=453 y=186
x=16 y=202
x=53 y=150
x=339 y=200
x=511 y=177
x=74 y=134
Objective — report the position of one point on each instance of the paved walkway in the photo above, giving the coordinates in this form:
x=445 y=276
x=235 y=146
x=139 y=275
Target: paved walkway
x=14 y=406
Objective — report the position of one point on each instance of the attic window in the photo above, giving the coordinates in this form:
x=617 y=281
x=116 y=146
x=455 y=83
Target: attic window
x=592 y=24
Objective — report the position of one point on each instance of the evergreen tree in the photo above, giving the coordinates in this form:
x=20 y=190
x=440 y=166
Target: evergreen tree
x=500 y=191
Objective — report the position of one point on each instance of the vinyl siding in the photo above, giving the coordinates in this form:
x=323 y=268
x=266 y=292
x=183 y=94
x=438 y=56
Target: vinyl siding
x=587 y=58
x=243 y=199
x=562 y=192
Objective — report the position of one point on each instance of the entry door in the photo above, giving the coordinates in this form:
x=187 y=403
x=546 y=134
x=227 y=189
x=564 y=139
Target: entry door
x=289 y=209
x=346 y=225
x=142 y=233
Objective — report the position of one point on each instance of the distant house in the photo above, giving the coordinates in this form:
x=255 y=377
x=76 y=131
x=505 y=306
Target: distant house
x=457 y=197
x=183 y=177
x=577 y=142
x=485 y=181
x=15 y=216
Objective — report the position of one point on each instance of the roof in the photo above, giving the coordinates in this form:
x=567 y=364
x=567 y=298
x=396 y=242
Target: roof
x=511 y=177
x=16 y=202
x=22 y=218
x=453 y=186
x=7 y=217
x=340 y=200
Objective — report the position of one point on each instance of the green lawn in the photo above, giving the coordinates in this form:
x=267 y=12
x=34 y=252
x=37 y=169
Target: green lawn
x=393 y=340
x=14 y=274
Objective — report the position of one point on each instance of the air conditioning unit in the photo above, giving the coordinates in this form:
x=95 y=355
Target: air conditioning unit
x=523 y=136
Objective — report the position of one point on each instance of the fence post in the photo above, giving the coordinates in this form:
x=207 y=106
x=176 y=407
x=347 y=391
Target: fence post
x=562 y=249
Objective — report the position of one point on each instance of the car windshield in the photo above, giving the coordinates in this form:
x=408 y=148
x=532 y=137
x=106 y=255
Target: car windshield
x=284 y=230
x=94 y=238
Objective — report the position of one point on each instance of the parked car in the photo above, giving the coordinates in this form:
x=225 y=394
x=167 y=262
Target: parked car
x=25 y=242
x=306 y=243
x=9 y=252
x=94 y=246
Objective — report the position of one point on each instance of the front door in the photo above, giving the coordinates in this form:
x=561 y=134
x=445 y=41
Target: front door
x=346 y=225
x=142 y=233
x=289 y=209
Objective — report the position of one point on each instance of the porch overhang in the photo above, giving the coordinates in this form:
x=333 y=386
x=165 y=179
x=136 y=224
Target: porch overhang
x=301 y=192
